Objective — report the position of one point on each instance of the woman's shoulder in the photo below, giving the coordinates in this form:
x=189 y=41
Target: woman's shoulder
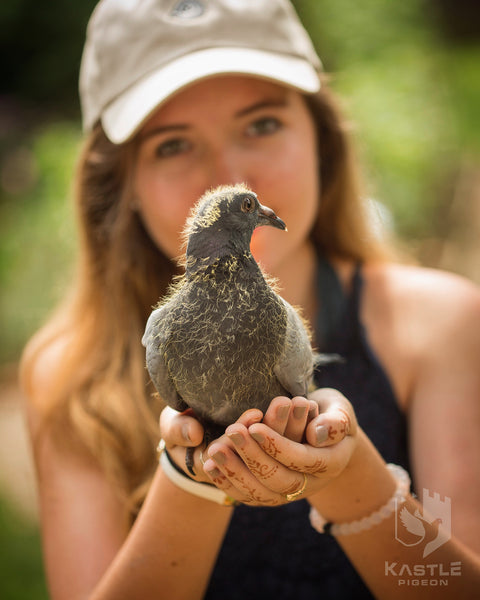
x=420 y=322
x=39 y=371
x=426 y=299
x=422 y=290
x=427 y=308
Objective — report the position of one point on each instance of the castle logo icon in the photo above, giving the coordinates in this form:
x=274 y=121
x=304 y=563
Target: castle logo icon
x=410 y=528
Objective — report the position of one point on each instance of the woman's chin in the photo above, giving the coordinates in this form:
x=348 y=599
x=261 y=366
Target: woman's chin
x=263 y=246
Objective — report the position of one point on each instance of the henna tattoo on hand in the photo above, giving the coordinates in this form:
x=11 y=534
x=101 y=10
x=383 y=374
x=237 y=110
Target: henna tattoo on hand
x=342 y=428
x=346 y=423
x=270 y=447
x=319 y=466
x=331 y=432
x=219 y=479
x=253 y=495
x=259 y=469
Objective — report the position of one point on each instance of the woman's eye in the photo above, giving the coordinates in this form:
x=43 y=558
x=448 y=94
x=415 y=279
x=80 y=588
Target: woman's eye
x=264 y=126
x=172 y=148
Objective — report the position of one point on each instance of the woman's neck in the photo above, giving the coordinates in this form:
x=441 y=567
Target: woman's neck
x=297 y=281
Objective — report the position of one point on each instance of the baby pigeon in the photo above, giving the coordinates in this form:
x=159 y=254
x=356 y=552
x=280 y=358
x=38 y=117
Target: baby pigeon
x=223 y=340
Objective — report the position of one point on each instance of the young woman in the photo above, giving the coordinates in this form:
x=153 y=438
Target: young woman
x=179 y=97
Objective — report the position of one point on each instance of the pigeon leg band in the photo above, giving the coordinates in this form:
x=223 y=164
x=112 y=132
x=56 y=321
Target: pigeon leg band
x=189 y=460
x=295 y=495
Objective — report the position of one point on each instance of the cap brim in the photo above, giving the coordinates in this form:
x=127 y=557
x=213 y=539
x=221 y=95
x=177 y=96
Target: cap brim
x=126 y=114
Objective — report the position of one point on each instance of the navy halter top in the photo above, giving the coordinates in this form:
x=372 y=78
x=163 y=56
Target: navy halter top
x=274 y=552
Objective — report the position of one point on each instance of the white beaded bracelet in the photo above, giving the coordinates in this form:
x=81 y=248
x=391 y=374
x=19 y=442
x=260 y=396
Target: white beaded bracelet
x=202 y=490
x=399 y=497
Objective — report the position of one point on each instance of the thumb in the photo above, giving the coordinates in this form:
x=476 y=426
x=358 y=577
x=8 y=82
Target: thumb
x=335 y=421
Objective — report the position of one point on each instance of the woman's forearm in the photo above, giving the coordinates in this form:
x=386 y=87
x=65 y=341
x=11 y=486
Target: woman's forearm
x=171 y=549
x=388 y=567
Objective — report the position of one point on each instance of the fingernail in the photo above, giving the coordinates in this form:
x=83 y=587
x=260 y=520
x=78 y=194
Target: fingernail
x=258 y=437
x=237 y=439
x=299 y=412
x=185 y=433
x=219 y=458
x=283 y=411
x=321 y=433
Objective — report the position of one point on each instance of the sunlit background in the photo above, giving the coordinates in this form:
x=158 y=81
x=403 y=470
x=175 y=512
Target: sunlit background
x=409 y=75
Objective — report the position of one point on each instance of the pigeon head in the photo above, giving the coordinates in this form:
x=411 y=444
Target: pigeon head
x=223 y=221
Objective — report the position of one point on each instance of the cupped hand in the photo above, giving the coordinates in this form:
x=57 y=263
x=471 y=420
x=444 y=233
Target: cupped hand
x=181 y=430
x=298 y=447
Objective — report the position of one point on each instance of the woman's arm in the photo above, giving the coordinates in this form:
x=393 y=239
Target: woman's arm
x=171 y=550
x=389 y=568
x=444 y=410
x=89 y=552
x=350 y=481
x=424 y=326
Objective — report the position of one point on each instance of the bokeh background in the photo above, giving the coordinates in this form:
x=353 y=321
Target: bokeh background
x=409 y=75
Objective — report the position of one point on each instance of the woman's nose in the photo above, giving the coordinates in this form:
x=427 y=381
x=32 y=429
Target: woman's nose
x=228 y=168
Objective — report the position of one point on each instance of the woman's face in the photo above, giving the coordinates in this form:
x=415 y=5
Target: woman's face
x=230 y=130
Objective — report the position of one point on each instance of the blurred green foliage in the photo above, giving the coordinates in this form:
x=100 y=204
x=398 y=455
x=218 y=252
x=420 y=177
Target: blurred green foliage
x=413 y=95
x=21 y=568
x=36 y=231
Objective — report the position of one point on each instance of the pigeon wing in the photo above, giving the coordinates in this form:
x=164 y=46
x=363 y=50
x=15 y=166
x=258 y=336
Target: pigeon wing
x=153 y=340
x=294 y=369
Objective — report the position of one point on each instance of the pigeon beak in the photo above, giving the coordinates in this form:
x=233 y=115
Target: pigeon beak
x=266 y=216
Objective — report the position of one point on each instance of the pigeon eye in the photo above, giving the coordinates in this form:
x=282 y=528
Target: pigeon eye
x=248 y=205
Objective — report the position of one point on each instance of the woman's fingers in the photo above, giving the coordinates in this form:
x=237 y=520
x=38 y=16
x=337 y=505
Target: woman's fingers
x=289 y=416
x=249 y=474
x=264 y=459
x=226 y=469
x=335 y=421
x=278 y=413
x=180 y=429
x=183 y=429
x=326 y=462
x=182 y=434
x=298 y=419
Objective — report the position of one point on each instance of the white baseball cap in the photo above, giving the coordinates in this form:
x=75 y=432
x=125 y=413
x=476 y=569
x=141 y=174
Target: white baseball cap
x=138 y=53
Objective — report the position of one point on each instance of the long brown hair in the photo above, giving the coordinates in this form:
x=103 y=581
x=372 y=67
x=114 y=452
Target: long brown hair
x=102 y=396
x=344 y=226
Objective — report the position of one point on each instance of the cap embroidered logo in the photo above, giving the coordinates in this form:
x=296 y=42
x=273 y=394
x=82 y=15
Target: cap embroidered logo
x=188 y=9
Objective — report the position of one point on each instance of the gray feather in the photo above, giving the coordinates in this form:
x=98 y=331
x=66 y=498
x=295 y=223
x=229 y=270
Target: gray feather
x=154 y=339
x=294 y=368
